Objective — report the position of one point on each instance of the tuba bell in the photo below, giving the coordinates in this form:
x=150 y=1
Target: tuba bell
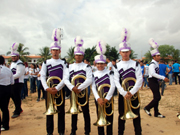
x=74 y=96
x=50 y=102
x=102 y=109
x=128 y=114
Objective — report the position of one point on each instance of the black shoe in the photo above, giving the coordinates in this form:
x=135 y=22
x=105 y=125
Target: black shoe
x=178 y=115
x=61 y=133
x=49 y=134
x=4 y=129
x=86 y=134
x=42 y=98
x=15 y=115
x=73 y=133
x=159 y=115
x=38 y=100
x=147 y=112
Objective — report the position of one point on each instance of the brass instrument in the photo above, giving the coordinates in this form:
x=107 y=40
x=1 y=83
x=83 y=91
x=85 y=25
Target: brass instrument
x=128 y=114
x=74 y=96
x=102 y=109
x=50 y=106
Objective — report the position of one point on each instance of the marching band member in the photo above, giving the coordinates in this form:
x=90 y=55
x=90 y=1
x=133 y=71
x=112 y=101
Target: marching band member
x=18 y=69
x=54 y=67
x=79 y=68
x=123 y=69
x=103 y=76
x=6 y=80
x=153 y=80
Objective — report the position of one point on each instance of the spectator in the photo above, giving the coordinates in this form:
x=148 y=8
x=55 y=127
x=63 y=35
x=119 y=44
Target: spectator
x=146 y=74
x=94 y=68
x=162 y=71
x=176 y=71
x=24 y=91
x=170 y=73
x=109 y=65
x=33 y=75
x=143 y=72
x=39 y=85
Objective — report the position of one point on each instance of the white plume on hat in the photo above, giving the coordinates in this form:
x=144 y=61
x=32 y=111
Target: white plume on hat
x=78 y=50
x=125 y=35
x=78 y=41
x=14 y=48
x=56 y=35
x=101 y=49
x=153 y=43
x=155 y=46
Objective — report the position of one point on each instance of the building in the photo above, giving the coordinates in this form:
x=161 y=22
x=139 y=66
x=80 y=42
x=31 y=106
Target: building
x=33 y=59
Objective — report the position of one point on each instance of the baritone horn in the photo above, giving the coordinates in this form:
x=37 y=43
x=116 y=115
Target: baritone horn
x=74 y=96
x=102 y=109
x=50 y=102
x=128 y=114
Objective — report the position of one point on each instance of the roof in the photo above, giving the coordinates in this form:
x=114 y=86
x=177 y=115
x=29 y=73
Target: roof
x=30 y=56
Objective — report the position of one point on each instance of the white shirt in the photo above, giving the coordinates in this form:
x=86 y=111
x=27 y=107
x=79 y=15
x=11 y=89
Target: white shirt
x=152 y=70
x=146 y=70
x=6 y=76
x=32 y=71
x=128 y=67
x=78 y=68
x=94 y=68
x=18 y=70
x=103 y=77
x=53 y=65
x=39 y=78
x=26 y=70
x=109 y=65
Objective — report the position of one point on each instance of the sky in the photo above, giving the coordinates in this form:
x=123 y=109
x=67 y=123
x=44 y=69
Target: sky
x=31 y=22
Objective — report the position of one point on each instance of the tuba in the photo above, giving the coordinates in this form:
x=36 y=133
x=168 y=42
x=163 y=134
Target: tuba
x=128 y=114
x=74 y=97
x=102 y=109
x=50 y=102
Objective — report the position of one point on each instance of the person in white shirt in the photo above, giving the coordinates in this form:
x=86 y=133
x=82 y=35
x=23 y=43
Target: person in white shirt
x=94 y=68
x=100 y=77
x=6 y=80
x=39 y=85
x=18 y=69
x=109 y=65
x=124 y=69
x=33 y=75
x=79 y=68
x=55 y=67
x=146 y=74
x=24 y=91
x=153 y=81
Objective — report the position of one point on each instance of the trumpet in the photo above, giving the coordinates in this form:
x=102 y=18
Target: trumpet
x=50 y=102
x=74 y=97
x=128 y=114
x=102 y=109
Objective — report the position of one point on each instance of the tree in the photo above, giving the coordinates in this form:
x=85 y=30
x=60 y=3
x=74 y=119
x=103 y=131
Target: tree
x=166 y=50
x=133 y=55
x=111 y=52
x=90 y=53
x=22 y=53
x=148 y=57
x=70 y=56
x=44 y=53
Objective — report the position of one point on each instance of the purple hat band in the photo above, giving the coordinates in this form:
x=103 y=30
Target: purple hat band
x=55 y=46
x=155 y=53
x=101 y=59
x=55 y=36
x=15 y=54
x=125 y=47
x=81 y=52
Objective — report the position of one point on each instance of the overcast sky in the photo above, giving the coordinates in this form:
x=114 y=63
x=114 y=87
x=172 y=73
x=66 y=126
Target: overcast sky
x=31 y=22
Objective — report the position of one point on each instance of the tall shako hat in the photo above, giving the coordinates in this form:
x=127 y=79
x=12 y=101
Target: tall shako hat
x=155 y=46
x=101 y=49
x=14 y=48
x=124 y=46
x=78 y=50
x=56 y=37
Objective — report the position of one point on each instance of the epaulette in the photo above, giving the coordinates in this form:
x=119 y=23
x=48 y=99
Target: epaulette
x=111 y=72
x=20 y=63
x=115 y=66
x=88 y=66
x=137 y=63
x=45 y=62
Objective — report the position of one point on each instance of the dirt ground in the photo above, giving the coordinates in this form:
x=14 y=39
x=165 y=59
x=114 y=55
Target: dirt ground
x=33 y=122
